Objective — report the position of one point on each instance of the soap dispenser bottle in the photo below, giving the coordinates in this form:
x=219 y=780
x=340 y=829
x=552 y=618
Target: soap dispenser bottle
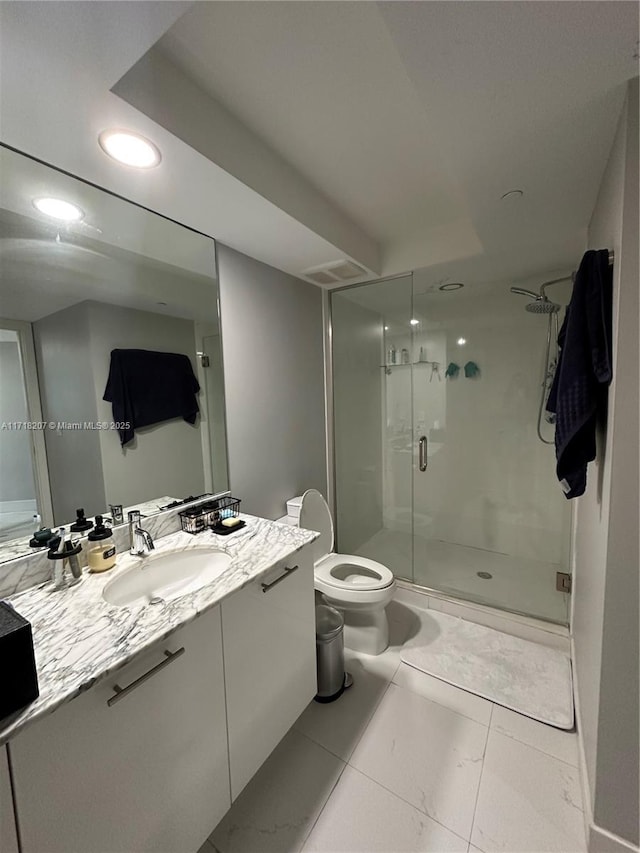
x=101 y=549
x=81 y=523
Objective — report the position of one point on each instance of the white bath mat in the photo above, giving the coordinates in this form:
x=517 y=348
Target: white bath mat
x=529 y=678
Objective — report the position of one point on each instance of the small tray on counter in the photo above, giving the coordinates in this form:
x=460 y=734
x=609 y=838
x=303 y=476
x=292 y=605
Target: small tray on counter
x=225 y=531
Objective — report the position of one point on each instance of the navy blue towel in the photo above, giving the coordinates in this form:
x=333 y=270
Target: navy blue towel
x=146 y=387
x=578 y=396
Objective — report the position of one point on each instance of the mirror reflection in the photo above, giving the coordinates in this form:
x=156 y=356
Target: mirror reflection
x=100 y=298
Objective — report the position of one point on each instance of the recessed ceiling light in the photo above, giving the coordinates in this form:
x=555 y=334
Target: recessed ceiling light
x=461 y=342
x=512 y=194
x=128 y=148
x=386 y=328
x=453 y=285
x=414 y=322
x=57 y=208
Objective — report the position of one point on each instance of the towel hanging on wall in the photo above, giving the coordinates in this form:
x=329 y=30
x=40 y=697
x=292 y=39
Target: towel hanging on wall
x=147 y=387
x=578 y=395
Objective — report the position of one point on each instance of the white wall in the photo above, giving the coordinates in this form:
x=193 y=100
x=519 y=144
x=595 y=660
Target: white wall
x=605 y=601
x=357 y=356
x=273 y=365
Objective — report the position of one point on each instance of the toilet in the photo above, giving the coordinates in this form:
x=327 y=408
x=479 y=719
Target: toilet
x=359 y=588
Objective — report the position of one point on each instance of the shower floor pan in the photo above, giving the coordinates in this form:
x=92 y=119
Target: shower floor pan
x=517 y=584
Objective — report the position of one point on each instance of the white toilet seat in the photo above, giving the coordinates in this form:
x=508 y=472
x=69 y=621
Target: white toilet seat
x=348 y=571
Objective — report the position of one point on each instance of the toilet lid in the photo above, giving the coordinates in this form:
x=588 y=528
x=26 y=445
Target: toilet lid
x=315 y=515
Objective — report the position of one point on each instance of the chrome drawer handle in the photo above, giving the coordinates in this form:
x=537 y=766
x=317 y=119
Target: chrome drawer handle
x=121 y=692
x=287 y=571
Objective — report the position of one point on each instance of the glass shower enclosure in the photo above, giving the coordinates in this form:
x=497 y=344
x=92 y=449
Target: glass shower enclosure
x=439 y=471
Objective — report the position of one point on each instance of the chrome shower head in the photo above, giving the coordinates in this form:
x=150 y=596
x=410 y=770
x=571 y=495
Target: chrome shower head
x=542 y=305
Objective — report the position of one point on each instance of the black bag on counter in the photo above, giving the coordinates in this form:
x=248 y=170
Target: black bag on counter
x=18 y=676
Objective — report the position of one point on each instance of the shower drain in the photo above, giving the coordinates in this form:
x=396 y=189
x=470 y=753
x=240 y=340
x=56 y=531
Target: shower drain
x=486 y=575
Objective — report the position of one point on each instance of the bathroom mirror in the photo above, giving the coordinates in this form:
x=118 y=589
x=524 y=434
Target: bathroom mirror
x=110 y=275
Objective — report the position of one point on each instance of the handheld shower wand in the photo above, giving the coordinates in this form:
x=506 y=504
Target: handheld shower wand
x=541 y=304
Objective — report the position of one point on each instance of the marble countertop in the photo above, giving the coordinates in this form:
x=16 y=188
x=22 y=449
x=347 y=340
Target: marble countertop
x=79 y=639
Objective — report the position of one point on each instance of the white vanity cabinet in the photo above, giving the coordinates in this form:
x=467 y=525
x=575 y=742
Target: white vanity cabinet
x=270 y=664
x=148 y=772
x=8 y=835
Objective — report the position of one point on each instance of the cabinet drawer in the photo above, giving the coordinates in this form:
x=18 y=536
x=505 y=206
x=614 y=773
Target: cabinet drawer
x=146 y=774
x=268 y=633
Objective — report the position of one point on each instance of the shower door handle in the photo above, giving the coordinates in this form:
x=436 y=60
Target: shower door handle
x=422 y=453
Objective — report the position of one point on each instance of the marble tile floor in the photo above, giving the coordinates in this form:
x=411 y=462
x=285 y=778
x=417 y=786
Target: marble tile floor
x=405 y=762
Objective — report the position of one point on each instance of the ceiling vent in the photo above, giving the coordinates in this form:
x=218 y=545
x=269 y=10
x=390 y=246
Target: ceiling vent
x=334 y=273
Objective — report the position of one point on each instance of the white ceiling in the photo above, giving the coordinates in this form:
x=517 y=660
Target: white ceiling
x=303 y=132
x=349 y=118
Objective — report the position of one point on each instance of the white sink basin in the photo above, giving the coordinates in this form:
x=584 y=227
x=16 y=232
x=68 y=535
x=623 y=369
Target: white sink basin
x=166 y=576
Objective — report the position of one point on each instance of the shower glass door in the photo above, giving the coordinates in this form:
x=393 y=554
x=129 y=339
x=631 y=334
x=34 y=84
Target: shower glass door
x=373 y=422
x=490 y=522
x=439 y=472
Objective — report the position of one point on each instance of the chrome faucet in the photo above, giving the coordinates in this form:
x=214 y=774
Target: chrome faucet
x=140 y=541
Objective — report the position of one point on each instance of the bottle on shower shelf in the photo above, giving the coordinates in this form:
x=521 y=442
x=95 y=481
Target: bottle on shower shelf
x=391 y=355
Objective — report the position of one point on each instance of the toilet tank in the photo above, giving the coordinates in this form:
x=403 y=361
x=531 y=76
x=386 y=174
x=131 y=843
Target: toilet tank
x=293 y=507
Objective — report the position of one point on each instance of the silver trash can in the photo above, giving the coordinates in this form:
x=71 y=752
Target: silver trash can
x=332 y=679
